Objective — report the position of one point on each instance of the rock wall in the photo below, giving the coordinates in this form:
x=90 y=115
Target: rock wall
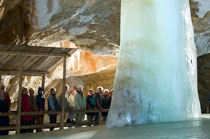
x=92 y=25
x=201 y=20
x=204 y=79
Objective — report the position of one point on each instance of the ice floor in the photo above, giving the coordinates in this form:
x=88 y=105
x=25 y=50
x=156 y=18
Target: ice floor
x=176 y=130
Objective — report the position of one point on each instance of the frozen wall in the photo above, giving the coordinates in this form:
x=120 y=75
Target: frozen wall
x=156 y=79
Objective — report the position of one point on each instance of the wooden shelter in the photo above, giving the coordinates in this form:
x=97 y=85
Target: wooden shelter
x=25 y=60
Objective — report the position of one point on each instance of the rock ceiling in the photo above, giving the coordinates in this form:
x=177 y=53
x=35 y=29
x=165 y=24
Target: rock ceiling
x=93 y=25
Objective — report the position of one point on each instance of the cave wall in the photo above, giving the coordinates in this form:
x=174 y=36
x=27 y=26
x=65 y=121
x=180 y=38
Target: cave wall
x=204 y=79
x=91 y=25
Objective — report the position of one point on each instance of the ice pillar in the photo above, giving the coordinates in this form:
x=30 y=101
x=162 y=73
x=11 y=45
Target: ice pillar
x=156 y=78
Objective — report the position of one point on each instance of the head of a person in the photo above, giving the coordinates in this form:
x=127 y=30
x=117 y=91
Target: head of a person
x=99 y=89
x=53 y=91
x=25 y=91
x=1 y=94
x=90 y=92
x=66 y=88
x=73 y=92
x=79 y=88
x=31 y=91
x=106 y=92
x=3 y=88
x=41 y=91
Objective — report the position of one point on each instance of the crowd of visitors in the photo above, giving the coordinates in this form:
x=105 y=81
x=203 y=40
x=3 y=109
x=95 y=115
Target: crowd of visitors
x=74 y=99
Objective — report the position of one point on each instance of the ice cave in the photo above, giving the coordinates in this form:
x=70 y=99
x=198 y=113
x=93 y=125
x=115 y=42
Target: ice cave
x=106 y=69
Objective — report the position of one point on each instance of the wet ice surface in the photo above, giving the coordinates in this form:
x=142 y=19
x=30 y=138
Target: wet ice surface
x=197 y=129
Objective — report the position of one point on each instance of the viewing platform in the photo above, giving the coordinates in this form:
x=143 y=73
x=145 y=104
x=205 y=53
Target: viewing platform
x=194 y=129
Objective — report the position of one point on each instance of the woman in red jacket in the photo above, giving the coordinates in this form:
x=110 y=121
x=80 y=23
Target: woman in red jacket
x=25 y=107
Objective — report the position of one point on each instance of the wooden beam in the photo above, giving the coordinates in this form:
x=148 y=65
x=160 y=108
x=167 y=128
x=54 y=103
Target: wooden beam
x=18 y=119
x=43 y=81
x=63 y=95
x=33 y=53
x=24 y=72
x=14 y=113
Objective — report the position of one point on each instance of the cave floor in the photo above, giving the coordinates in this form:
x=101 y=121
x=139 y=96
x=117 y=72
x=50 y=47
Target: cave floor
x=196 y=129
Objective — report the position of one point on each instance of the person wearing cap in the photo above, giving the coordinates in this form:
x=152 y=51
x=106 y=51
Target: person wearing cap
x=4 y=107
x=106 y=102
x=79 y=103
x=40 y=98
x=98 y=100
x=25 y=107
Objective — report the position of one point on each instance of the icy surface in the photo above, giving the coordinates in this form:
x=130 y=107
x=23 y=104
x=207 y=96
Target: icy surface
x=156 y=78
x=196 y=129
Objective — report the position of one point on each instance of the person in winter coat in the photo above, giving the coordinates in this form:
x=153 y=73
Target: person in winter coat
x=71 y=118
x=53 y=106
x=79 y=103
x=90 y=105
x=98 y=99
x=40 y=98
x=4 y=107
x=25 y=107
x=66 y=99
x=6 y=95
x=106 y=102
x=34 y=108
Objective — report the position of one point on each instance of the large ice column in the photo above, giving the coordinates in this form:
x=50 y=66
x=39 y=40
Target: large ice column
x=156 y=78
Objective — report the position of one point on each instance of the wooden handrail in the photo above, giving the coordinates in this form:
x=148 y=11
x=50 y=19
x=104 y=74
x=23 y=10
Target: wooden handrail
x=14 y=113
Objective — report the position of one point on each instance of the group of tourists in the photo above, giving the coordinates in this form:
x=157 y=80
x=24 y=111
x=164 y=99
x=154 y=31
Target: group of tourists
x=73 y=100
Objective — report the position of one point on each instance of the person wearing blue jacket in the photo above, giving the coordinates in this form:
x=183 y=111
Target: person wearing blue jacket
x=53 y=106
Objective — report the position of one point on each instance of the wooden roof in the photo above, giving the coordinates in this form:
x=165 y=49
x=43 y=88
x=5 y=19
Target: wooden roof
x=36 y=60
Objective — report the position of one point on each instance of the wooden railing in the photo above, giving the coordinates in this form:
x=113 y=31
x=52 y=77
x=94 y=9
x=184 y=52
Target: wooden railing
x=14 y=113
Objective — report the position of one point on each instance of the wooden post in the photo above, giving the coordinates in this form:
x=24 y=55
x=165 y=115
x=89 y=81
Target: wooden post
x=207 y=109
x=18 y=118
x=62 y=116
x=99 y=118
x=43 y=81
